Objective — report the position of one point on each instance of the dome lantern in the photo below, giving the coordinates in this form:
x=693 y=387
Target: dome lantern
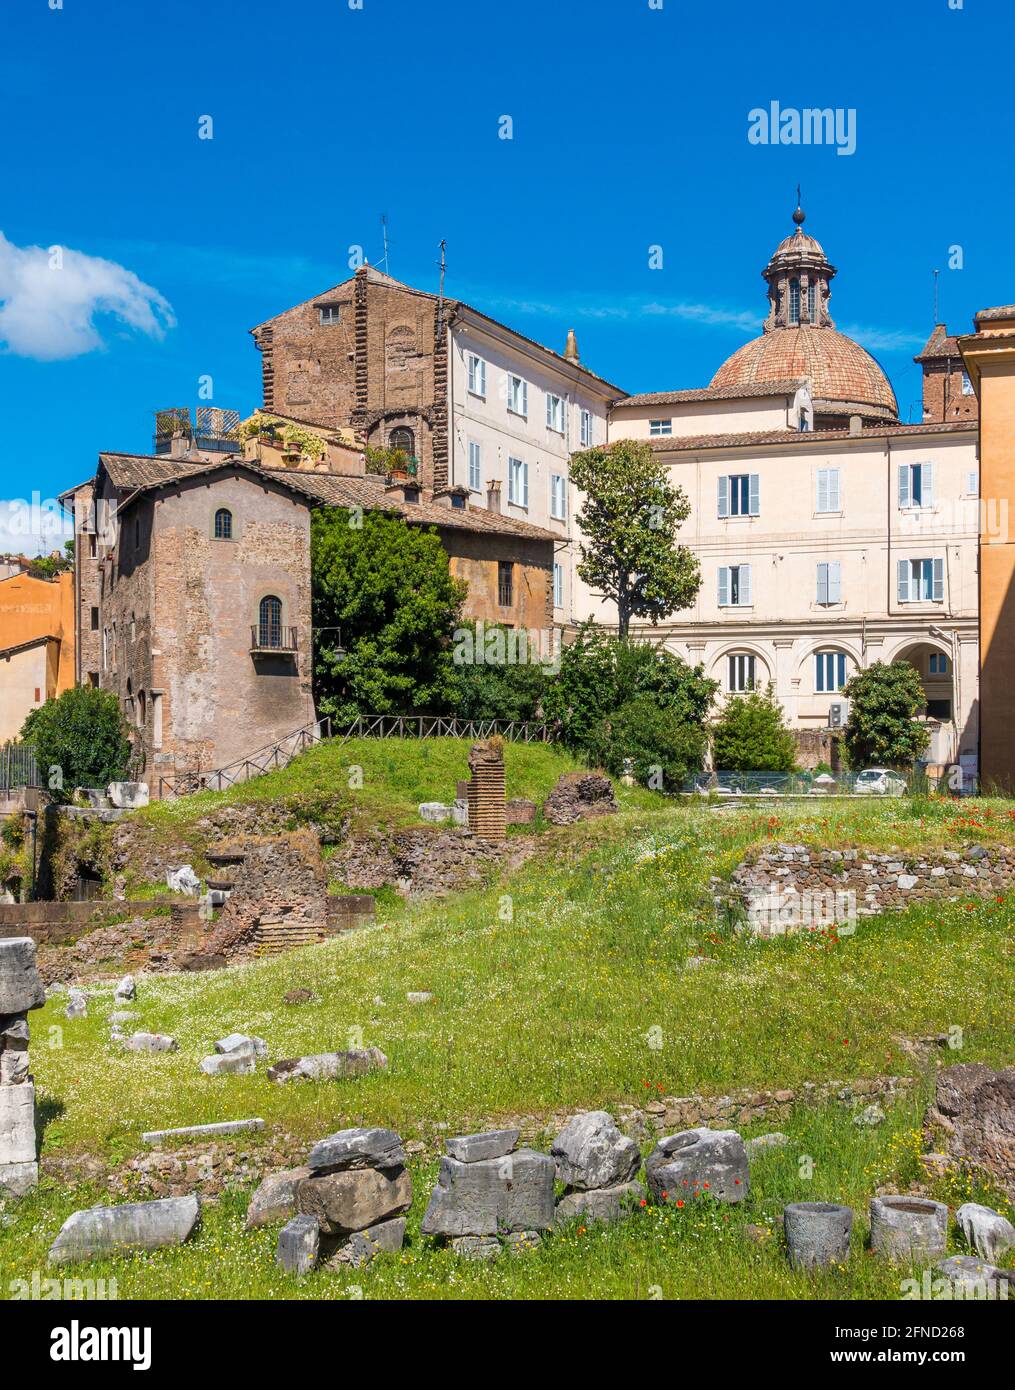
x=800 y=340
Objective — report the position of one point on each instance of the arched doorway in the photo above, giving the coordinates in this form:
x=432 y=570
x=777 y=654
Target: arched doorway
x=934 y=664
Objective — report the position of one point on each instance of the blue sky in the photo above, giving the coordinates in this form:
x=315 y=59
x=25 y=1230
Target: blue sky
x=630 y=130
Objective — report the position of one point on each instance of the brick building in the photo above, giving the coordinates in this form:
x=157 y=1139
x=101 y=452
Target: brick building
x=480 y=409
x=193 y=587
x=948 y=392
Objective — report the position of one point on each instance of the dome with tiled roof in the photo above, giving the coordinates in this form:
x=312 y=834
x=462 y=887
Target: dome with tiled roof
x=801 y=340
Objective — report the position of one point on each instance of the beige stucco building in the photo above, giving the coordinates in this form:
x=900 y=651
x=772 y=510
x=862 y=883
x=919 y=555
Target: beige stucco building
x=829 y=535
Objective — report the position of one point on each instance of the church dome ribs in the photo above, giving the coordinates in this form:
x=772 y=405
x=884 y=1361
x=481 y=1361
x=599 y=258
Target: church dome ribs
x=800 y=339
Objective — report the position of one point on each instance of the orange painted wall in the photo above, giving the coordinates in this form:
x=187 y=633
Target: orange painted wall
x=997 y=576
x=31 y=608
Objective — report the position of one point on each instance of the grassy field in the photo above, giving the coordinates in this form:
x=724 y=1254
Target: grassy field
x=551 y=991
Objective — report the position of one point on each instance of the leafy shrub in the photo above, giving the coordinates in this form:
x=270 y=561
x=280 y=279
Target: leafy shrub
x=883 y=728
x=600 y=673
x=388 y=587
x=489 y=684
x=651 y=742
x=80 y=740
x=750 y=735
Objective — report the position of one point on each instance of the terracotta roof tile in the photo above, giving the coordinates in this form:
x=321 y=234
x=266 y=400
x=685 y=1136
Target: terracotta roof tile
x=1000 y=311
x=679 y=444
x=838 y=368
x=939 y=345
x=715 y=393
x=134 y=473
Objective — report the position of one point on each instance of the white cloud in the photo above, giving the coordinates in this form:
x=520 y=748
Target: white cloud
x=577 y=308
x=708 y=314
x=50 y=300
x=33 y=526
x=883 y=339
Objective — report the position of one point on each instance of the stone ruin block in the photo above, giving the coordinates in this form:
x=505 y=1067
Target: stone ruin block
x=21 y=989
x=357 y=1190
x=102 y=1231
x=489 y=1196
x=699 y=1162
x=598 y=1165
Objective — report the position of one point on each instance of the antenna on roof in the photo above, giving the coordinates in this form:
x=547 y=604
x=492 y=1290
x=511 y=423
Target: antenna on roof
x=384 y=231
x=936 y=274
x=440 y=293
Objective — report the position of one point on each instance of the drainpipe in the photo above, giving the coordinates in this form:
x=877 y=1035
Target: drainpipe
x=35 y=855
x=888 y=457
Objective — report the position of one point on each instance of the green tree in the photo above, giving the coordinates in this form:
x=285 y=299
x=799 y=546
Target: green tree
x=496 y=675
x=651 y=742
x=883 y=728
x=600 y=672
x=388 y=587
x=80 y=740
x=629 y=518
x=750 y=735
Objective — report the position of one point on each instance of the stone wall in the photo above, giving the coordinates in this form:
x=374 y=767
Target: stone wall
x=52 y=923
x=787 y=886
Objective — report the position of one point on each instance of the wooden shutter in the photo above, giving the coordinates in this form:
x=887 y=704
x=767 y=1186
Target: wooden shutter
x=754 y=498
x=724 y=495
x=904 y=570
x=724 y=586
x=939 y=580
x=904 y=485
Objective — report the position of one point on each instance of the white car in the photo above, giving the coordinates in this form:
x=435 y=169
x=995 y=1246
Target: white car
x=879 y=781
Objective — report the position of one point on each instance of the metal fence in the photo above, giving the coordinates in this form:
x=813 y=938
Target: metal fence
x=282 y=752
x=266 y=759
x=445 y=726
x=17 y=766
x=871 y=782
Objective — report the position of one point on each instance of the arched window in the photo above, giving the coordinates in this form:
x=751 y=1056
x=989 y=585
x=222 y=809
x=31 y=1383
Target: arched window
x=740 y=672
x=794 y=301
x=403 y=439
x=829 y=672
x=269 y=622
x=223 y=524
x=812 y=302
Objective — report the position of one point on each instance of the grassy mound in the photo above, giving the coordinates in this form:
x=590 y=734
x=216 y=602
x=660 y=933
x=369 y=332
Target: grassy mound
x=553 y=991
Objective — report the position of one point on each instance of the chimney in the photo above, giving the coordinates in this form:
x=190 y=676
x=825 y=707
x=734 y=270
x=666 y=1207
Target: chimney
x=179 y=445
x=571 y=350
x=493 y=496
x=855 y=425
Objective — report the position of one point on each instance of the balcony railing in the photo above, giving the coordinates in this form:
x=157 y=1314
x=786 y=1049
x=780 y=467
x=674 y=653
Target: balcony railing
x=273 y=639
